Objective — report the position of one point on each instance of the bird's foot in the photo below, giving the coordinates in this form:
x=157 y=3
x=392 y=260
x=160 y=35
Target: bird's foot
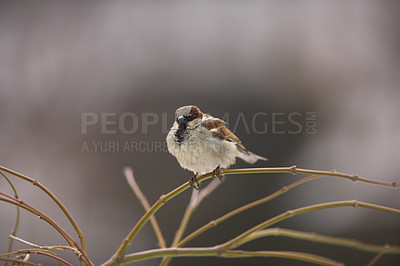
x=194 y=182
x=218 y=172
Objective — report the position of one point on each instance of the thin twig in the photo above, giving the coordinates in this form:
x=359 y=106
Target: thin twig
x=145 y=203
x=245 y=207
x=38 y=252
x=330 y=240
x=43 y=247
x=16 y=225
x=50 y=221
x=385 y=250
x=288 y=214
x=41 y=215
x=19 y=262
x=59 y=204
x=195 y=200
x=216 y=251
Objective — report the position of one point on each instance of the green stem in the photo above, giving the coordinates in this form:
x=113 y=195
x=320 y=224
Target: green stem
x=244 y=208
x=218 y=252
x=182 y=227
x=161 y=201
x=145 y=203
x=385 y=250
x=330 y=240
x=196 y=199
x=288 y=214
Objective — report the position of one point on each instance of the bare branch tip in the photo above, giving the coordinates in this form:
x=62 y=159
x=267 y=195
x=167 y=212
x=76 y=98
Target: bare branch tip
x=127 y=170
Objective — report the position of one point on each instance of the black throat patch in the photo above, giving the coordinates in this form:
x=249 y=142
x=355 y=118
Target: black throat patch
x=180 y=135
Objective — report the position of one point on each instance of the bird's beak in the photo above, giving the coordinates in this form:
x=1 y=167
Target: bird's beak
x=182 y=122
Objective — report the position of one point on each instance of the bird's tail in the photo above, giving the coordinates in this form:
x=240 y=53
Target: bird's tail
x=250 y=157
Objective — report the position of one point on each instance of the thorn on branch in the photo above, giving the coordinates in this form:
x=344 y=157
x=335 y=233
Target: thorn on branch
x=213 y=223
x=35 y=182
x=176 y=251
x=289 y=213
x=126 y=241
x=220 y=250
x=293 y=170
x=162 y=198
x=118 y=259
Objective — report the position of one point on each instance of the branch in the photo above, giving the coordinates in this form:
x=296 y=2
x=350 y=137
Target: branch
x=217 y=251
x=142 y=198
x=44 y=247
x=59 y=204
x=139 y=225
x=288 y=214
x=385 y=250
x=330 y=240
x=244 y=208
x=16 y=225
x=38 y=252
x=118 y=255
x=196 y=199
x=50 y=221
x=19 y=262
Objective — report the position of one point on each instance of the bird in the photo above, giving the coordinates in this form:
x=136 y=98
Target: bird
x=202 y=144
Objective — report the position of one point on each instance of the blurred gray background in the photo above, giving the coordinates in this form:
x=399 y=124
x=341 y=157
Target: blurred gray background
x=233 y=59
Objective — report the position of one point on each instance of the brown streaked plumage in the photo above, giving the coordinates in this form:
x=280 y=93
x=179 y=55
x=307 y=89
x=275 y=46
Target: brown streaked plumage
x=218 y=126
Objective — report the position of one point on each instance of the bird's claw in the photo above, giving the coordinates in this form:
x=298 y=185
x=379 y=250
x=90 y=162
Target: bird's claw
x=194 y=182
x=218 y=172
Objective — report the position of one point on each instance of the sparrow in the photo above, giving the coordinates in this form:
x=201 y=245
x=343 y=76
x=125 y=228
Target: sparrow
x=202 y=143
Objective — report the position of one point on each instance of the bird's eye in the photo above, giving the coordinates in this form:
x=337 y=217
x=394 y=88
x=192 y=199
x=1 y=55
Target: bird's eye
x=190 y=117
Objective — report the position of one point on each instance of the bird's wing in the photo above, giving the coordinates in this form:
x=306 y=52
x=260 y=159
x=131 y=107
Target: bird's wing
x=218 y=127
